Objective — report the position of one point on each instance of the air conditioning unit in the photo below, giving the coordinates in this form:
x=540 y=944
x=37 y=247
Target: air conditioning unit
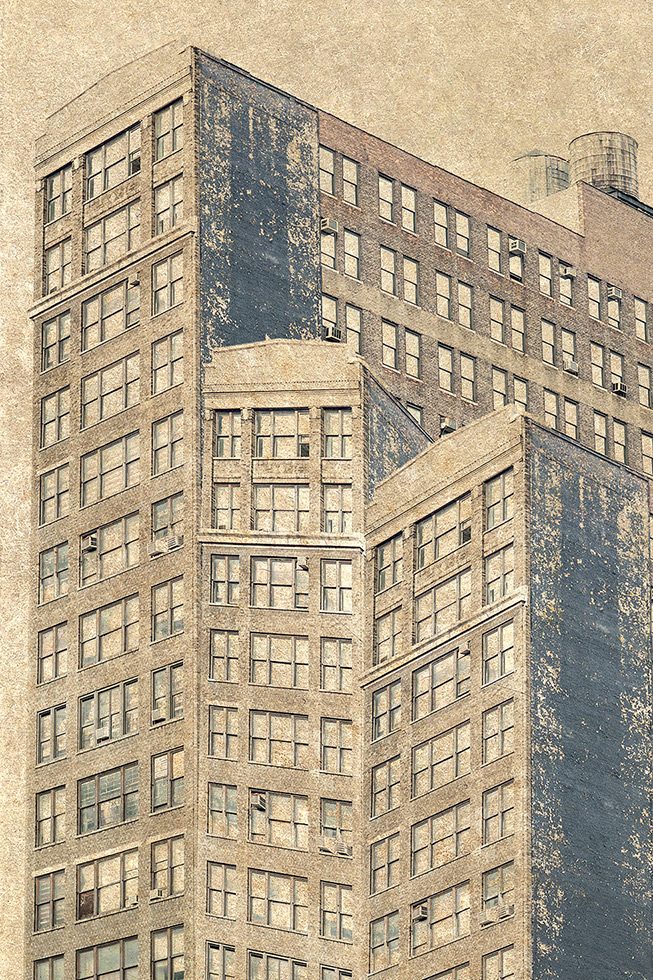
x=614 y=292
x=89 y=543
x=260 y=803
x=619 y=388
x=447 y=425
x=328 y=845
x=506 y=910
x=302 y=563
x=490 y=915
x=175 y=541
x=158 y=716
x=329 y=224
x=331 y=332
x=157 y=893
x=567 y=271
x=516 y=246
x=420 y=913
x=156 y=548
x=134 y=281
x=569 y=364
x=102 y=733
x=131 y=901
x=344 y=850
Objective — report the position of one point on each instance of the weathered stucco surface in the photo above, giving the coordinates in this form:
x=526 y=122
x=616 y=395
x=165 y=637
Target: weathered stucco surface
x=591 y=717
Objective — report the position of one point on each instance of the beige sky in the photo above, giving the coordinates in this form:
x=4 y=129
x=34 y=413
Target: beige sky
x=467 y=84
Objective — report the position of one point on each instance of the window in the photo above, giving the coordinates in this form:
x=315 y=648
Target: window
x=223 y=810
x=388 y=270
x=465 y=315
x=411 y=281
x=498 y=731
x=353 y=324
x=386 y=710
x=110 y=313
x=167 y=953
x=109 y=631
x=336 y=911
x=440 y=682
x=168 y=205
x=167 y=693
x=50 y=816
x=548 y=342
x=221 y=893
x=440 y=760
x=224 y=656
x=416 y=413
x=387 y=630
x=55 y=341
x=384 y=942
x=443 y=532
x=168 y=130
x=498 y=812
x=440 y=918
x=108 y=714
x=614 y=310
x=336 y=827
x=384 y=864
x=334 y=973
x=278 y=739
x=499 y=889
x=498 y=652
x=600 y=433
x=279 y=583
x=389 y=563
x=337 y=429
x=440 y=224
x=221 y=962
x=352 y=254
x=328 y=249
x=499 y=388
x=108 y=239
x=57 y=266
x=499 y=965
x=327 y=164
x=494 y=249
x=266 y=966
x=279 y=660
x=545 y=268
x=520 y=387
x=167 y=443
x=499 y=499
x=120 y=958
x=168 y=517
x=455 y=973
x=227 y=426
x=468 y=377
x=55 y=417
x=518 y=328
x=389 y=344
x=168 y=609
x=111 y=390
x=108 y=799
x=281 y=507
x=281 y=433
x=442 y=606
x=330 y=315
x=499 y=574
x=647 y=452
x=336 y=666
x=52 y=968
x=349 y=181
x=597 y=356
x=49 y=901
x=413 y=354
x=278 y=900
x=385 y=786
x=644 y=385
x=408 y=208
x=570 y=412
x=168 y=362
x=462 y=234
x=441 y=838
x=335 y=586
x=594 y=298
x=113 y=162
x=641 y=320
x=226 y=506
x=496 y=320
x=223 y=732
x=515 y=265
x=616 y=368
x=167 y=867
x=278 y=819
x=551 y=408
x=337 y=508
x=568 y=346
x=53 y=573
x=167 y=780
x=225 y=580
x=108 y=884
x=566 y=284
x=443 y=295
x=445 y=368
x=386 y=191
x=167 y=283
x=336 y=746
x=619 y=441
x=51 y=734
x=110 y=469
x=109 y=550
x=58 y=193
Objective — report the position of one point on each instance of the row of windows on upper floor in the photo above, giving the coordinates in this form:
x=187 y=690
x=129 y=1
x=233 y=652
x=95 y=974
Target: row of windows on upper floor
x=451 y=229
x=114 y=161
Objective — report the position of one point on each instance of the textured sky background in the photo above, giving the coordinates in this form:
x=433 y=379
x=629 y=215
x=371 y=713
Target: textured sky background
x=467 y=84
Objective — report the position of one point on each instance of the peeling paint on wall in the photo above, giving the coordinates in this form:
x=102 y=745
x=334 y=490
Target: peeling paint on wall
x=393 y=437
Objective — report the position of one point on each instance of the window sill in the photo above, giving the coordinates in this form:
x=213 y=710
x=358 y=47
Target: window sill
x=109 y=741
x=100 y=830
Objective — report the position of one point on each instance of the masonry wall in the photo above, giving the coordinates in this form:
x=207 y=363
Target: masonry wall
x=591 y=717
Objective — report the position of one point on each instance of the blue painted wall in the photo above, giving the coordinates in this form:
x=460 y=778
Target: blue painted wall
x=392 y=435
x=259 y=217
x=591 y=717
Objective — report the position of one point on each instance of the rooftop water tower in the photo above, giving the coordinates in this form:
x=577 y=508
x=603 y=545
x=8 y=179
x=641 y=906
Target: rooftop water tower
x=606 y=160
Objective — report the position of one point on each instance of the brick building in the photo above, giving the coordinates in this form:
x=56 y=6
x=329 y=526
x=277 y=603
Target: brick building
x=303 y=669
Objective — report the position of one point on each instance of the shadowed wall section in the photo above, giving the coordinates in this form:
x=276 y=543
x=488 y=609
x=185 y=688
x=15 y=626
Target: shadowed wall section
x=258 y=203
x=392 y=435
x=591 y=717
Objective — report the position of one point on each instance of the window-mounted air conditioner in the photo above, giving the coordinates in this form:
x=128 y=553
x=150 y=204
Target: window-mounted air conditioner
x=157 y=893
x=516 y=246
x=506 y=910
x=327 y=844
x=158 y=716
x=302 y=563
x=567 y=271
x=447 y=425
x=259 y=803
x=569 y=364
x=332 y=332
x=89 y=543
x=619 y=388
x=614 y=292
x=420 y=913
x=344 y=850
x=175 y=541
x=330 y=225
x=159 y=547
x=102 y=733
